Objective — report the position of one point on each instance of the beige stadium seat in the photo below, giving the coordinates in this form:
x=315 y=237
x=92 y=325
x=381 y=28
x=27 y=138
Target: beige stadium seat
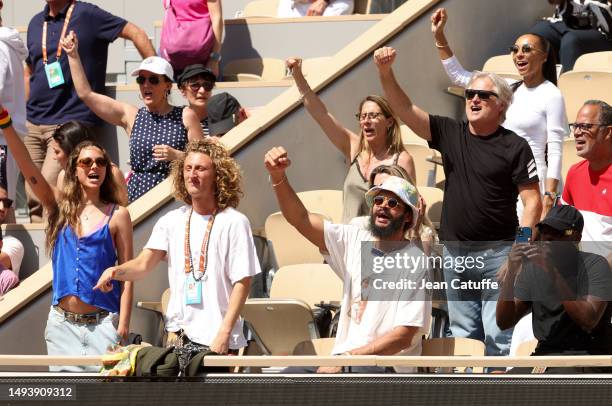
x=433 y=198
x=569 y=156
x=526 y=348
x=318 y=346
x=310 y=283
x=326 y=201
x=425 y=170
x=261 y=8
x=578 y=87
x=594 y=62
x=313 y=65
x=502 y=65
x=254 y=69
x=439 y=347
x=409 y=137
x=289 y=246
x=279 y=325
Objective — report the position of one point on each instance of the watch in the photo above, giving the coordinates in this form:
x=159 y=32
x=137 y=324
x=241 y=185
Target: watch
x=215 y=56
x=553 y=195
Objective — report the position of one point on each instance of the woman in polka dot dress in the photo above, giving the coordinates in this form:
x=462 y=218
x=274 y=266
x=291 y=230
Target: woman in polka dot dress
x=158 y=132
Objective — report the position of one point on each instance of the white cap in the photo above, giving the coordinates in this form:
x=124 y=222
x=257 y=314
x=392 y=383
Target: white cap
x=155 y=64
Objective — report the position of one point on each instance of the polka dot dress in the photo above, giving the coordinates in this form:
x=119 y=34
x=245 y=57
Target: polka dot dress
x=153 y=129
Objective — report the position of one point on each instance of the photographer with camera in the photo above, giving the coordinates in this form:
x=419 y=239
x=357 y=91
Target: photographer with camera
x=577 y=27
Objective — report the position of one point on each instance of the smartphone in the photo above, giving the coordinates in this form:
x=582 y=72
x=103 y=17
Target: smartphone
x=523 y=234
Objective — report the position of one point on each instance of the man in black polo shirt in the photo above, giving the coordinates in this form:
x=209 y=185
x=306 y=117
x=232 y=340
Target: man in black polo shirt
x=487 y=167
x=52 y=99
x=567 y=291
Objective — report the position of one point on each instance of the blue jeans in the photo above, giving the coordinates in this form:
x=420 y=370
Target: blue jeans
x=66 y=338
x=472 y=313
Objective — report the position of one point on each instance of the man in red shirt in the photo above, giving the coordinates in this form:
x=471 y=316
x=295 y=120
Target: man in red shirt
x=588 y=185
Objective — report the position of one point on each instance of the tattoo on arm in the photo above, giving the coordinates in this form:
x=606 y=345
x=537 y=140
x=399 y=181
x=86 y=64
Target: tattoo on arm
x=33 y=180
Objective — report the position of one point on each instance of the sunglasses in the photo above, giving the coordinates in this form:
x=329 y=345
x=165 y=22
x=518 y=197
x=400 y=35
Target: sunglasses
x=482 y=94
x=6 y=201
x=526 y=48
x=392 y=202
x=88 y=162
x=584 y=126
x=368 y=116
x=154 y=80
x=195 y=86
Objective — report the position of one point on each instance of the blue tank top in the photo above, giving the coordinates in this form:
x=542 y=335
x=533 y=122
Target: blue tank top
x=78 y=264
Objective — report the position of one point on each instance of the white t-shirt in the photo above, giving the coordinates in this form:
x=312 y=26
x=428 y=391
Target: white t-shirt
x=377 y=318
x=12 y=247
x=231 y=257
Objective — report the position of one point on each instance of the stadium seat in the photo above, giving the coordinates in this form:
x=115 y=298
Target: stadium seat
x=317 y=346
x=502 y=65
x=252 y=69
x=578 y=87
x=569 y=156
x=594 y=62
x=526 y=348
x=409 y=137
x=261 y=8
x=453 y=346
x=425 y=170
x=433 y=198
x=326 y=201
x=278 y=325
x=310 y=283
x=289 y=246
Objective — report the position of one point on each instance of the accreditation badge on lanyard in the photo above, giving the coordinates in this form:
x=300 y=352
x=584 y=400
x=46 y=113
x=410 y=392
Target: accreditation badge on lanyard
x=53 y=71
x=193 y=284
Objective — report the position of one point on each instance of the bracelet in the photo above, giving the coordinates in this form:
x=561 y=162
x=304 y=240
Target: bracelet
x=279 y=182
x=5 y=120
x=441 y=45
x=307 y=92
x=553 y=195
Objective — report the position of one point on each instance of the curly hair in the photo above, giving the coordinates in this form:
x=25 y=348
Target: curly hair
x=68 y=206
x=394 y=135
x=228 y=179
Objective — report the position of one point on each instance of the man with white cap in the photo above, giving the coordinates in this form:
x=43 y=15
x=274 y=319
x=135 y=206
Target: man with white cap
x=50 y=93
x=375 y=317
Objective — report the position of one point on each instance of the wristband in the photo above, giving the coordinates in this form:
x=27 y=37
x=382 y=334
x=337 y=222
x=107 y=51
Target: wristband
x=441 y=45
x=5 y=120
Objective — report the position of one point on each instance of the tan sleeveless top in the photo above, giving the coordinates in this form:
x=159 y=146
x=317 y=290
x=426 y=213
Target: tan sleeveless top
x=353 y=191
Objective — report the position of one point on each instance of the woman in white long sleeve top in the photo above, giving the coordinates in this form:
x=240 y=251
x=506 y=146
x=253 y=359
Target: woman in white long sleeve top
x=537 y=112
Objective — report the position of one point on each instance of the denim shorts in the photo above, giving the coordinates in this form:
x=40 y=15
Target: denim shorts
x=64 y=337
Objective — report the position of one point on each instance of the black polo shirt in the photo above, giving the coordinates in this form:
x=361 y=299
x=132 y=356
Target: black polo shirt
x=95 y=30
x=482 y=179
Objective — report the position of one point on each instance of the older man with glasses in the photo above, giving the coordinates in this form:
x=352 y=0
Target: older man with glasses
x=588 y=185
x=486 y=167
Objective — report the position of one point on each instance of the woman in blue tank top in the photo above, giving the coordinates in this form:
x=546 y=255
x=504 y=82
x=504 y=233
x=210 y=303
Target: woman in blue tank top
x=87 y=232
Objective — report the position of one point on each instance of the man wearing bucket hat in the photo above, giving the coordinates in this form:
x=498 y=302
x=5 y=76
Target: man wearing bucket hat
x=373 y=321
x=568 y=291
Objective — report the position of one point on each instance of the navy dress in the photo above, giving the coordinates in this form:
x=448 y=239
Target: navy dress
x=153 y=129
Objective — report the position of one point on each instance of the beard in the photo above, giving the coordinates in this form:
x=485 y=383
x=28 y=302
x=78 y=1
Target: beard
x=395 y=224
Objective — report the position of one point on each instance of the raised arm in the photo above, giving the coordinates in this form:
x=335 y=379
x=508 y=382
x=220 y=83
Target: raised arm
x=46 y=193
x=125 y=252
x=345 y=140
x=412 y=115
x=455 y=71
x=107 y=108
x=139 y=37
x=291 y=206
x=216 y=18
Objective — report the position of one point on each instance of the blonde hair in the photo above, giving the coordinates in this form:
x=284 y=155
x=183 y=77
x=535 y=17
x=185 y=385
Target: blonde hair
x=228 y=179
x=66 y=213
x=394 y=136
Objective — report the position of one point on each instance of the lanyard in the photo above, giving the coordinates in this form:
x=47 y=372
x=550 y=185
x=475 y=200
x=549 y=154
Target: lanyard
x=44 y=35
x=204 y=250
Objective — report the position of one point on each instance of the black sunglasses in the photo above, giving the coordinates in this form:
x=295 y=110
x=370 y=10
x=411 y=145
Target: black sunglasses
x=195 y=86
x=526 y=48
x=154 y=80
x=88 y=162
x=482 y=94
x=6 y=202
x=392 y=202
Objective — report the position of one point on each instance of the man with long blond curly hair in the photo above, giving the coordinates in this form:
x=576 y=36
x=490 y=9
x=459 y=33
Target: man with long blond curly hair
x=210 y=251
